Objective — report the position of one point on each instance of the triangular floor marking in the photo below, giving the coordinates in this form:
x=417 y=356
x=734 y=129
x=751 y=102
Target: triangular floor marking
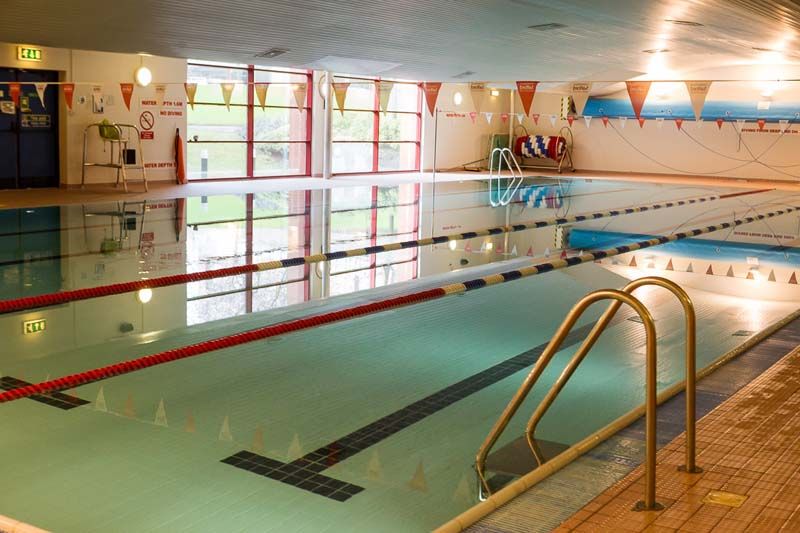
x=295 y=450
x=374 y=469
x=418 y=481
x=225 y=431
x=161 y=415
x=100 y=401
x=258 y=440
x=190 y=426
x=463 y=494
x=130 y=408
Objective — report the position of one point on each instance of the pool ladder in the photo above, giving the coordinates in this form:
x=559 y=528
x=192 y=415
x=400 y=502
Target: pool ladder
x=503 y=197
x=618 y=298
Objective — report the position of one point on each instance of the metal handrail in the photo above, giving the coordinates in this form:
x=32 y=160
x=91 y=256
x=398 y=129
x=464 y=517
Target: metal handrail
x=600 y=326
x=516 y=179
x=553 y=346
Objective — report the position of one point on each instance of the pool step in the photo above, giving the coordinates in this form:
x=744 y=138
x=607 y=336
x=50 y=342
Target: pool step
x=515 y=459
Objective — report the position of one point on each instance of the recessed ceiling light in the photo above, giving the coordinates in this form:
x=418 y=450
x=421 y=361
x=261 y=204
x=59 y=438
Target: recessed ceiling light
x=547 y=26
x=656 y=51
x=683 y=22
x=272 y=52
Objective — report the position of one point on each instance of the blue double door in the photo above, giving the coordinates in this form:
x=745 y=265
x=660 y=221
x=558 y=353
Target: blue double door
x=28 y=131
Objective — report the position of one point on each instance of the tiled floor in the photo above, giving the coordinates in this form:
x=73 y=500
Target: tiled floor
x=749 y=448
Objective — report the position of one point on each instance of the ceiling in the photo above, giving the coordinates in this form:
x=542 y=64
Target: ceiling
x=436 y=39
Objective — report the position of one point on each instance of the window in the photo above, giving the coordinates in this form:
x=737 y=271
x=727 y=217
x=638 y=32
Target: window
x=366 y=216
x=367 y=140
x=248 y=141
x=235 y=230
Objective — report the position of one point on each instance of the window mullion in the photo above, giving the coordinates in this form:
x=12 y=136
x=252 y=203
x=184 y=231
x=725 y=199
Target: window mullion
x=250 y=121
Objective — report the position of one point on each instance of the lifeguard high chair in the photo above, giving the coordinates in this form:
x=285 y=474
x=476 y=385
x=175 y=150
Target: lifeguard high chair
x=116 y=137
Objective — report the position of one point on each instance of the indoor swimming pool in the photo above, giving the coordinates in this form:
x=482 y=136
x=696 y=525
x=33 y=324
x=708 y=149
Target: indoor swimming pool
x=361 y=425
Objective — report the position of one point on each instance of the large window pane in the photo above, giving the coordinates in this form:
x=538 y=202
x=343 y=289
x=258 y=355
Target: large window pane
x=397 y=156
x=388 y=274
x=399 y=127
x=215 y=308
x=209 y=78
x=211 y=160
x=278 y=296
x=279 y=124
x=215 y=123
x=360 y=94
x=279 y=159
x=280 y=91
x=353 y=126
x=352 y=157
x=405 y=97
x=350 y=282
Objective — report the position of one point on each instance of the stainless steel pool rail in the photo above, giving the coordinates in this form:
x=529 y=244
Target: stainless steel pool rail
x=618 y=298
x=503 y=198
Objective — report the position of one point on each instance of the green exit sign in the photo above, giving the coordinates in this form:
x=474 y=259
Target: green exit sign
x=34 y=326
x=27 y=53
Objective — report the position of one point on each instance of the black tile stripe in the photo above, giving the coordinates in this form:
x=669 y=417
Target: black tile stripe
x=54 y=399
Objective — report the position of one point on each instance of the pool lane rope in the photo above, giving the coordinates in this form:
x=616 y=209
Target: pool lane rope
x=56 y=298
x=125 y=367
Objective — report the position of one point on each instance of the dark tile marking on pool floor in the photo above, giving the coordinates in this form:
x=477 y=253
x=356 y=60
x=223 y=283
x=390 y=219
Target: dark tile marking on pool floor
x=304 y=472
x=54 y=399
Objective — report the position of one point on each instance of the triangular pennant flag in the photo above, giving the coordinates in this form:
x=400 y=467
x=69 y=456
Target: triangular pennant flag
x=670 y=266
x=161 y=93
x=720 y=122
x=641 y=122
x=499 y=249
x=225 y=430
x=679 y=122
x=130 y=408
x=761 y=123
x=488 y=117
x=463 y=494
x=529 y=253
x=588 y=121
x=622 y=122
x=637 y=92
x=698 y=124
x=261 y=93
x=227 y=91
x=659 y=122
x=384 y=89
x=418 y=481
x=698 y=90
x=300 y=95
x=563 y=254
x=340 y=93
x=605 y=121
x=580 y=95
x=161 y=415
x=468 y=247
x=690 y=269
x=520 y=117
x=190 y=426
x=793 y=279
x=750 y=275
x=771 y=276
x=547 y=252
x=14 y=90
x=730 y=272
x=784 y=124
x=40 y=88
x=553 y=119
x=473 y=115
x=431 y=90
x=633 y=262
x=477 y=90
x=69 y=92
x=100 y=401
x=258 y=440
x=514 y=250
x=504 y=117
x=374 y=468
x=127 y=93
x=710 y=271
x=295 y=449
x=535 y=118
x=570 y=120
x=191 y=91
x=527 y=90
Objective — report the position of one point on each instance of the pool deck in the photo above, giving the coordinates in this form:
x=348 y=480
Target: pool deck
x=749 y=448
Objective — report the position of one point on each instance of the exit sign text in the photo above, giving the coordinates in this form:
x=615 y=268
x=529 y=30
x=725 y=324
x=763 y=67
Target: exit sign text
x=27 y=53
x=34 y=326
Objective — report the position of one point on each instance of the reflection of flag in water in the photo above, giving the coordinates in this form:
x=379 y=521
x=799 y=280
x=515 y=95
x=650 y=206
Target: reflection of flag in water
x=180 y=217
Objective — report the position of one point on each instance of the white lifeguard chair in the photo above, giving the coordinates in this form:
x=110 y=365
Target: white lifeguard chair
x=117 y=137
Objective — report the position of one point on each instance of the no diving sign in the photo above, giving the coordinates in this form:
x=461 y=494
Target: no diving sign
x=146 y=122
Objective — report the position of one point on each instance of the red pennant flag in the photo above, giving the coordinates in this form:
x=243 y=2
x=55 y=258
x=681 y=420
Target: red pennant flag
x=570 y=120
x=761 y=122
x=720 y=122
x=500 y=249
x=679 y=122
x=710 y=271
x=468 y=247
x=670 y=266
x=605 y=122
x=13 y=91
x=473 y=115
x=69 y=92
x=641 y=123
x=793 y=279
x=637 y=92
x=127 y=93
x=563 y=254
x=431 y=94
x=535 y=117
x=530 y=252
x=504 y=117
x=633 y=261
x=527 y=90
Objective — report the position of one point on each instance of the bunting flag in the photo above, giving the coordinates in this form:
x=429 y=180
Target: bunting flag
x=529 y=253
x=504 y=117
x=535 y=118
x=127 y=93
x=384 y=89
x=622 y=122
x=588 y=121
x=761 y=123
x=477 y=90
x=679 y=122
x=161 y=92
x=527 y=90
x=473 y=115
x=14 y=90
x=191 y=91
x=69 y=92
x=698 y=90
x=488 y=117
x=261 y=90
x=553 y=119
x=784 y=124
x=40 y=88
x=431 y=90
x=605 y=121
x=641 y=122
x=720 y=122
x=659 y=122
x=793 y=278
x=340 y=93
x=580 y=95
x=637 y=92
x=570 y=120
x=299 y=91
x=468 y=247
x=520 y=117
x=227 y=91
x=698 y=124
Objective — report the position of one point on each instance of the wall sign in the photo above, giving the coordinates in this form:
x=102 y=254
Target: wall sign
x=34 y=326
x=29 y=53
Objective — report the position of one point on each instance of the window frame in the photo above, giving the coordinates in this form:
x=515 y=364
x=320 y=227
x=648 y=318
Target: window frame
x=250 y=141
x=376 y=127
